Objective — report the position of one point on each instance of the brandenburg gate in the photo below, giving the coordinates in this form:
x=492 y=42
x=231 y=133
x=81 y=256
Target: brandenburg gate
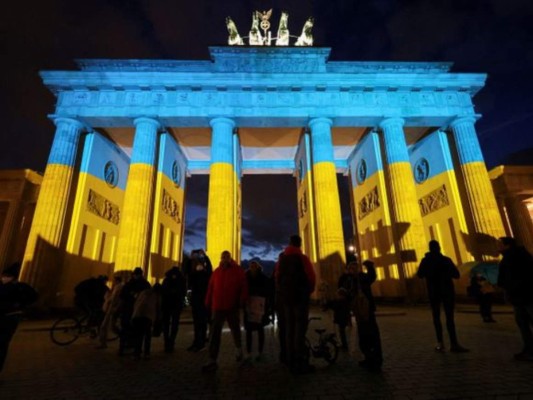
x=130 y=132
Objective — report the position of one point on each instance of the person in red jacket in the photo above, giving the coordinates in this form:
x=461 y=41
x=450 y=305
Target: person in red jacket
x=226 y=294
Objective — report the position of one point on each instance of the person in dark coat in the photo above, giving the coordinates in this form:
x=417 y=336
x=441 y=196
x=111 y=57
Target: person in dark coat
x=295 y=281
x=256 y=315
x=14 y=297
x=173 y=293
x=198 y=273
x=90 y=297
x=439 y=272
x=516 y=278
x=482 y=290
x=365 y=316
x=128 y=296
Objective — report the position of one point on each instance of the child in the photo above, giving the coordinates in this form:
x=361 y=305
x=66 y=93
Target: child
x=341 y=314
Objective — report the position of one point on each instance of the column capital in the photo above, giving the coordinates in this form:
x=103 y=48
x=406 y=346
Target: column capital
x=462 y=120
x=387 y=122
x=320 y=120
x=71 y=121
x=221 y=120
x=147 y=120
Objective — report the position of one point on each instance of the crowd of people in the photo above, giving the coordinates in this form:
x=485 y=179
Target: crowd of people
x=223 y=294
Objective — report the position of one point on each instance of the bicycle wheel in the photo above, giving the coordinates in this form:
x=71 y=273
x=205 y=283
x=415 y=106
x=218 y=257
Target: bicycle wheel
x=331 y=350
x=65 y=331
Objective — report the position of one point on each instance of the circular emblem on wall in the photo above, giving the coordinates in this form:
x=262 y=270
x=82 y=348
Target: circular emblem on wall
x=361 y=171
x=301 y=170
x=421 y=170
x=111 y=174
x=176 y=173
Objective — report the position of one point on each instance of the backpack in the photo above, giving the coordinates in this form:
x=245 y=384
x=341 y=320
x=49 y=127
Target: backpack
x=293 y=285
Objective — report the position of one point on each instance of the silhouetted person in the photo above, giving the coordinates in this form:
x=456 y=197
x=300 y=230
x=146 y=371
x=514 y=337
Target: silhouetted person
x=341 y=314
x=146 y=311
x=439 y=272
x=90 y=297
x=172 y=300
x=295 y=281
x=111 y=310
x=198 y=272
x=256 y=315
x=14 y=297
x=482 y=290
x=128 y=296
x=516 y=278
x=364 y=309
x=226 y=295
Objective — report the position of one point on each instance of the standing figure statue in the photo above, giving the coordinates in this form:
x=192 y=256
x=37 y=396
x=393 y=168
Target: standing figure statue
x=234 y=39
x=255 y=37
x=283 y=30
x=306 y=38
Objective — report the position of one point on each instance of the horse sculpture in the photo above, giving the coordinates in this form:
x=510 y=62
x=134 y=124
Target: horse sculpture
x=306 y=38
x=283 y=30
x=255 y=38
x=234 y=39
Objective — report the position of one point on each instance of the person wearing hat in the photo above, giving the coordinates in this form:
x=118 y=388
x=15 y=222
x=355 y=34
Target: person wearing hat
x=14 y=297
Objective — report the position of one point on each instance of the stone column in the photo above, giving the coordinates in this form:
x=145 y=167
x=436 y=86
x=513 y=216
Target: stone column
x=42 y=263
x=136 y=217
x=520 y=221
x=487 y=223
x=330 y=237
x=221 y=206
x=408 y=227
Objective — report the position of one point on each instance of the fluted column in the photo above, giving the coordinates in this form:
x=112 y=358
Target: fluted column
x=136 y=216
x=408 y=225
x=221 y=205
x=486 y=218
x=520 y=221
x=330 y=237
x=46 y=234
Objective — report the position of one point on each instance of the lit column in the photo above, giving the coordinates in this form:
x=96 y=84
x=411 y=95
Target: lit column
x=221 y=202
x=9 y=231
x=520 y=221
x=330 y=238
x=41 y=256
x=136 y=216
x=483 y=207
x=408 y=226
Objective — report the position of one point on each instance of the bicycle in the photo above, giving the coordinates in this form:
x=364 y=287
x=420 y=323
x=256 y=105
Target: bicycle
x=67 y=330
x=327 y=346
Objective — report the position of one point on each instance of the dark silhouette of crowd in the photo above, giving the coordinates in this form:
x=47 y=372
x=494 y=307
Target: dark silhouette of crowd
x=228 y=293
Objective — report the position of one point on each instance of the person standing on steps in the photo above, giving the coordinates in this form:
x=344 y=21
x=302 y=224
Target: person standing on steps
x=439 y=272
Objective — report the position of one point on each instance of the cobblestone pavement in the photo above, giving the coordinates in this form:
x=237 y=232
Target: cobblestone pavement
x=38 y=369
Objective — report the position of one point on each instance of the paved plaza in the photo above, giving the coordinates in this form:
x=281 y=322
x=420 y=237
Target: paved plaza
x=38 y=369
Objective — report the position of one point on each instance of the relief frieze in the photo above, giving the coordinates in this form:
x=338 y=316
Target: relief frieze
x=434 y=201
x=170 y=207
x=368 y=204
x=244 y=97
x=102 y=207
